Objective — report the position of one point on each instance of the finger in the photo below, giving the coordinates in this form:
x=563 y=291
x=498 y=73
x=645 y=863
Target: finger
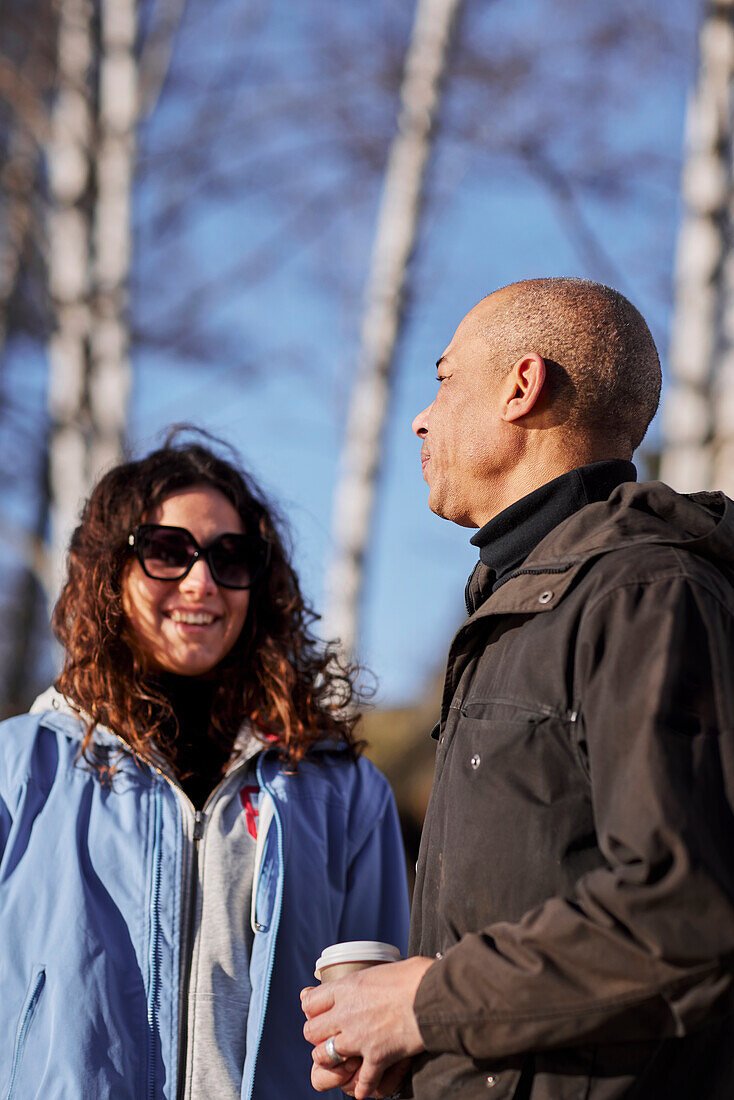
x=368 y=1079
x=318 y=1028
x=343 y=1071
x=321 y=1056
x=354 y=1059
x=337 y=1077
x=315 y=999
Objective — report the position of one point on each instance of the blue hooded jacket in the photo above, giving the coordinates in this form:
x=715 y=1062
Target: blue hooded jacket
x=91 y=921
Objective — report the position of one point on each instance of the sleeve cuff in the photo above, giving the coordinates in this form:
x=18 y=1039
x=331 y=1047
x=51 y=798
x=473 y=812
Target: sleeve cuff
x=430 y=1008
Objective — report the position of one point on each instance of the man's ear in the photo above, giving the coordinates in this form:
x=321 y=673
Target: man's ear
x=523 y=386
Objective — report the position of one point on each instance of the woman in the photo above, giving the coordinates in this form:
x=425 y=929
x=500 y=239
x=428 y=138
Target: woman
x=185 y=821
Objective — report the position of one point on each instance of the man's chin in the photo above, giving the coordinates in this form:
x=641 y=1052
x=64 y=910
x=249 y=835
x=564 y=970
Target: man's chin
x=444 y=509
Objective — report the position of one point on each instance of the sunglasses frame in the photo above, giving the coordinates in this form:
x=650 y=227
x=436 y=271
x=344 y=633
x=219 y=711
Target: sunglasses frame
x=200 y=553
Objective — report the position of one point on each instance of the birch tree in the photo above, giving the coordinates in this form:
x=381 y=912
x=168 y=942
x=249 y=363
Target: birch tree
x=69 y=243
x=109 y=366
x=90 y=175
x=698 y=412
x=395 y=236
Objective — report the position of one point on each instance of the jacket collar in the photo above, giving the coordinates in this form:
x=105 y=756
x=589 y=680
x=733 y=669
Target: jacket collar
x=636 y=513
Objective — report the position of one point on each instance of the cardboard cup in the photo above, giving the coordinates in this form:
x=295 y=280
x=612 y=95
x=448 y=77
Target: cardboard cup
x=341 y=959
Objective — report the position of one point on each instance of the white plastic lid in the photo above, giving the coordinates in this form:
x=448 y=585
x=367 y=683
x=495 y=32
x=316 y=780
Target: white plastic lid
x=357 y=951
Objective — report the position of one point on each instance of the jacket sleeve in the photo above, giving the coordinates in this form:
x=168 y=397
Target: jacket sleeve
x=644 y=948
x=376 y=903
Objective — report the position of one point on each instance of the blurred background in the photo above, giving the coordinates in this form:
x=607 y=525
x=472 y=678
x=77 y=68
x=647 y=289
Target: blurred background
x=267 y=217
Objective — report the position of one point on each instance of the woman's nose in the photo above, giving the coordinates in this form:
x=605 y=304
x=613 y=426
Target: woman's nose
x=199 y=578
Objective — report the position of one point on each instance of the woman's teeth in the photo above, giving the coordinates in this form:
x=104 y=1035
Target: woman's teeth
x=193 y=618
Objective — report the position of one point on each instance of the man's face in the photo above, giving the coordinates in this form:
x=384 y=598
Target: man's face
x=466 y=445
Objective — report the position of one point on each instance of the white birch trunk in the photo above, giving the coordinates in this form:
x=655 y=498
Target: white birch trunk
x=694 y=452
x=109 y=372
x=91 y=166
x=69 y=160
x=723 y=457
x=395 y=236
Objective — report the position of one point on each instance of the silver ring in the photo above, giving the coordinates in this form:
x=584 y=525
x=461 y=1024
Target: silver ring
x=332 y=1053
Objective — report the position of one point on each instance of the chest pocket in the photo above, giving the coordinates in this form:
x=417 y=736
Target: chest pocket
x=520 y=748
x=511 y=789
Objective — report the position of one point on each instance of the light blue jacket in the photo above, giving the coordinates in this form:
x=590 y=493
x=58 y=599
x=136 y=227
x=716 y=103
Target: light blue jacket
x=91 y=967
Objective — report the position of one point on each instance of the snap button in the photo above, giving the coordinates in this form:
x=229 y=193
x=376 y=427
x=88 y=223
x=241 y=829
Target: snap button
x=545 y=597
x=475 y=761
x=491 y=1081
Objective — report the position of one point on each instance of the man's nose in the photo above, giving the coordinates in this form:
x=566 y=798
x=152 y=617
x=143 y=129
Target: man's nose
x=420 y=424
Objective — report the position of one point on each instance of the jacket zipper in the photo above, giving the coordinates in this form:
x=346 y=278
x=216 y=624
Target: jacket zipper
x=534 y=571
x=187 y=945
x=274 y=925
x=153 y=939
x=154 y=962
x=25 y=1023
x=467 y=591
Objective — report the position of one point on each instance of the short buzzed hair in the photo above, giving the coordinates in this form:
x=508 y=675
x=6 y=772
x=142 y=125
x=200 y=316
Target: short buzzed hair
x=602 y=364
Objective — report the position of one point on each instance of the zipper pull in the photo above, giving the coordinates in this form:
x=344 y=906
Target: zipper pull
x=199 y=821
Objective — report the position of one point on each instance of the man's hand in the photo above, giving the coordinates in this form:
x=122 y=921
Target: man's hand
x=369 y=1015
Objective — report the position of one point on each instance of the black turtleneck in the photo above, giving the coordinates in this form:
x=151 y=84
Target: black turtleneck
x=198 y=760
x=505 y=542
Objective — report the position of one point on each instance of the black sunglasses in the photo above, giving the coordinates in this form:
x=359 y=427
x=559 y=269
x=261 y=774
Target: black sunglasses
x=168 y=553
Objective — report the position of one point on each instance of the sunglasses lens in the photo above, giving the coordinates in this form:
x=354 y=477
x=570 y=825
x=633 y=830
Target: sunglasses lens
x=165 y=554
x=236 y=560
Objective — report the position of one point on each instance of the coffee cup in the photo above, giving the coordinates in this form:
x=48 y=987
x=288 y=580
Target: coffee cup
x=341 y=959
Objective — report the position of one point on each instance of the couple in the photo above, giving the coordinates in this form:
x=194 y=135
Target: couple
x=187 y=822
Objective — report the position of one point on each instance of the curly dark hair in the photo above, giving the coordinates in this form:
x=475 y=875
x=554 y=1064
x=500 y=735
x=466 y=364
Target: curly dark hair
x=291 y=687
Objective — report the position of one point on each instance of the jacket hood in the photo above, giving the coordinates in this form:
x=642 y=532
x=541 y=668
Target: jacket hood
x=59 y=714
x=635 y=514
x=63 y=716
x=648 y=512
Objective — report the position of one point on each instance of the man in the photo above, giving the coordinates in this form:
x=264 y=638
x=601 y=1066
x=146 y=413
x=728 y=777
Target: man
x=573 y=917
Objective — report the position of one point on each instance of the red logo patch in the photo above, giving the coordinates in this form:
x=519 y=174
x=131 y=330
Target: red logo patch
x=249 y=797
